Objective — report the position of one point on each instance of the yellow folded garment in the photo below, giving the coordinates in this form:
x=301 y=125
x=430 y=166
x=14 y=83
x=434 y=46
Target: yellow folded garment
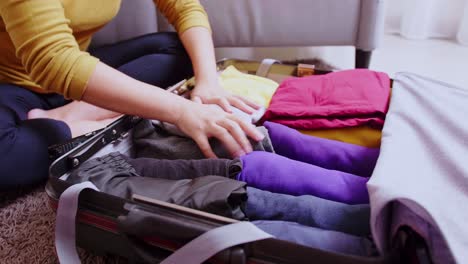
x=256 y=88
x=363 y=135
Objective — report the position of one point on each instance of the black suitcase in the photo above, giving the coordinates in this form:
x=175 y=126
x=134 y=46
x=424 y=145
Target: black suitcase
x=164 y=227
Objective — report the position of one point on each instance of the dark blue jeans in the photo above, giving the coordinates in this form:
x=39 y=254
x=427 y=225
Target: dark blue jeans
x=158 y=59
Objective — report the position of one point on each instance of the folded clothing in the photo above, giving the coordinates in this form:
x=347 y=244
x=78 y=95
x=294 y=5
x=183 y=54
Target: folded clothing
x=153 y=141
x=338 y=99
x=403 y=217
x=325 y=153
x=423 y=166
x=112 y=174
x=308 y=210
x=275 y=173
x=365 y=136
x=256 y=88
x=185 y=169
x=317 y=238
x=261 y=205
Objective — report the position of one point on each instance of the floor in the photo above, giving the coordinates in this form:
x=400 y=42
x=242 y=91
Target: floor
x=441 y=59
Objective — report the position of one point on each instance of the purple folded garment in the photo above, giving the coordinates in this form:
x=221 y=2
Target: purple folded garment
x=325 y=153
x=274 y=173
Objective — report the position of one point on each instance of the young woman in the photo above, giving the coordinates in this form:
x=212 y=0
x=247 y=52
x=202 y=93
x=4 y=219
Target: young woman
x=43 y=61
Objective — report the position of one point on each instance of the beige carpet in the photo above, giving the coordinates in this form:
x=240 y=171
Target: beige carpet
x=27 y=230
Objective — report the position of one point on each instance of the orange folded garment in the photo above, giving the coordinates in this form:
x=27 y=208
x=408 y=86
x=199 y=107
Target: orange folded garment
x=362 y=135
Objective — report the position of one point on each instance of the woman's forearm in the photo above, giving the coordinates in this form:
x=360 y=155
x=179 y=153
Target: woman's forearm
x=113 y=90
x=199 y=45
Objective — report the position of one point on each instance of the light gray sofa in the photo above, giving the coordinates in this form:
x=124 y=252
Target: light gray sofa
x=267 y=23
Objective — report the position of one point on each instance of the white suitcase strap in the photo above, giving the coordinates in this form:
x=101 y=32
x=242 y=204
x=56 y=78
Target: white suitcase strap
x=65 y=229
x=196 y=251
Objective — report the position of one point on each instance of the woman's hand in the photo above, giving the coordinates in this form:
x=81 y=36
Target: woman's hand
x=199 y=45
x=201 y=122
x=212 y=93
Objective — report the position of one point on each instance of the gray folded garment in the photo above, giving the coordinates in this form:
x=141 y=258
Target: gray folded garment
x=153 y=141
x=317 y=238
x=112 y=174
x=185 y=169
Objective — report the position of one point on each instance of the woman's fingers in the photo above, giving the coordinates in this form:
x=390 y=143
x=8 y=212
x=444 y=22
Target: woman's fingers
x=234 y=148
x=241 y=105
x=248 y=102
x=237 y=133
x=225 y=102
x=220 y=101
x=197 y=99
x=248 y=128
x=202 y=121
x=204 y=145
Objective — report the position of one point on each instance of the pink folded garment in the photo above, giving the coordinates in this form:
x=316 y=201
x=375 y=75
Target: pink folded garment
x=339 y=99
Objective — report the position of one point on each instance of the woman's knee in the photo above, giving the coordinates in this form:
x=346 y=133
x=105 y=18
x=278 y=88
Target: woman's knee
x=162 y=42
x=24 y=148
x=22 y=163
x=125 y=51
x=151 y=43
x=161 y=70
x=19 y=99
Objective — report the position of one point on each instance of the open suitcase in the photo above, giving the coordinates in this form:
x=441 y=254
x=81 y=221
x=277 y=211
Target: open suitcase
x=101 y=226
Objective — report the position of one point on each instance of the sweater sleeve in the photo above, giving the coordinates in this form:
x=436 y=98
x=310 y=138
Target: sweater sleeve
x=184 y=14
x=46 y=46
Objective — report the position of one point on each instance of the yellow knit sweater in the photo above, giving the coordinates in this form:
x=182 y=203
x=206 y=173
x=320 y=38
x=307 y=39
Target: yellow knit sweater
x=43 y=42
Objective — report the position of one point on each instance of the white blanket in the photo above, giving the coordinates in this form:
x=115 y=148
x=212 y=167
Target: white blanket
x=423 y=165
